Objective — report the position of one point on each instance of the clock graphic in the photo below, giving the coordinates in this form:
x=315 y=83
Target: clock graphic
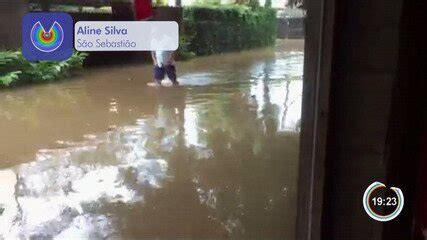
x=381 y=203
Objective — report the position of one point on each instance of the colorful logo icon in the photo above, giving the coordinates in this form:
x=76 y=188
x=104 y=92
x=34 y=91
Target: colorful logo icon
x=47 y=41
x=47 y=36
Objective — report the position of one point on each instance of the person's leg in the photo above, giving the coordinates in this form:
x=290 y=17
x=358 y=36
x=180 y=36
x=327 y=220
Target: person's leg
x=171 y=72
x=159 y=74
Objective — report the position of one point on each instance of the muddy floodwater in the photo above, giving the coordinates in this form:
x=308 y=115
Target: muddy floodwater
x=105 y=156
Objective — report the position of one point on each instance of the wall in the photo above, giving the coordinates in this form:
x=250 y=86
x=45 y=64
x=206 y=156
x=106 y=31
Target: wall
x=11 y=13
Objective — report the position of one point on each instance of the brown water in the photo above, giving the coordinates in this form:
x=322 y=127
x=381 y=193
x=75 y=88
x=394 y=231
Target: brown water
x=103 y=155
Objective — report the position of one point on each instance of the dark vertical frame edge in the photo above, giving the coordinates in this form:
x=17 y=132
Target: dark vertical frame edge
x=319 y=34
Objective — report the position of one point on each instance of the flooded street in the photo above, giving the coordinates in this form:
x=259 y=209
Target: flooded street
x=105 y=156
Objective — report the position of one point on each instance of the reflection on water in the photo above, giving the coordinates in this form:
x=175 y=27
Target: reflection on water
x=114 y=158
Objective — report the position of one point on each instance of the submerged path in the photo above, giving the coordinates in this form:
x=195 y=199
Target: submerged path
x=103 y=155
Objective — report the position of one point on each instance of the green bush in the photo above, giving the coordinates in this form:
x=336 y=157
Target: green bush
x=217 y=29
x=184 y=52
x=15 y=69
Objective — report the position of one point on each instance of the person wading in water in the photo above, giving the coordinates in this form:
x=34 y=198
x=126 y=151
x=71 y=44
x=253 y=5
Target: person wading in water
x=164 y=64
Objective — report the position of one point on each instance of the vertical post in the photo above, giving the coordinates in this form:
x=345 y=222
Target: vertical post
x=123 y=10
x=11 y=13
x=314 y=121
x=45 y=5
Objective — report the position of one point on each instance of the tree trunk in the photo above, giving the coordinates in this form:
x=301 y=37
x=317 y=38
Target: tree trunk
x=45 y=5
x=253 y=4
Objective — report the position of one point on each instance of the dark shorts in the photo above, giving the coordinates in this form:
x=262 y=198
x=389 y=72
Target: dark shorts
x=159 y=73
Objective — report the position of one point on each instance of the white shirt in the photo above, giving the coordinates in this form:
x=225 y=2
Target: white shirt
x=164 y=58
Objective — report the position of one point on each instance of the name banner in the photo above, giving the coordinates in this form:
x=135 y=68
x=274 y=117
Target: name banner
x=126 y=36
